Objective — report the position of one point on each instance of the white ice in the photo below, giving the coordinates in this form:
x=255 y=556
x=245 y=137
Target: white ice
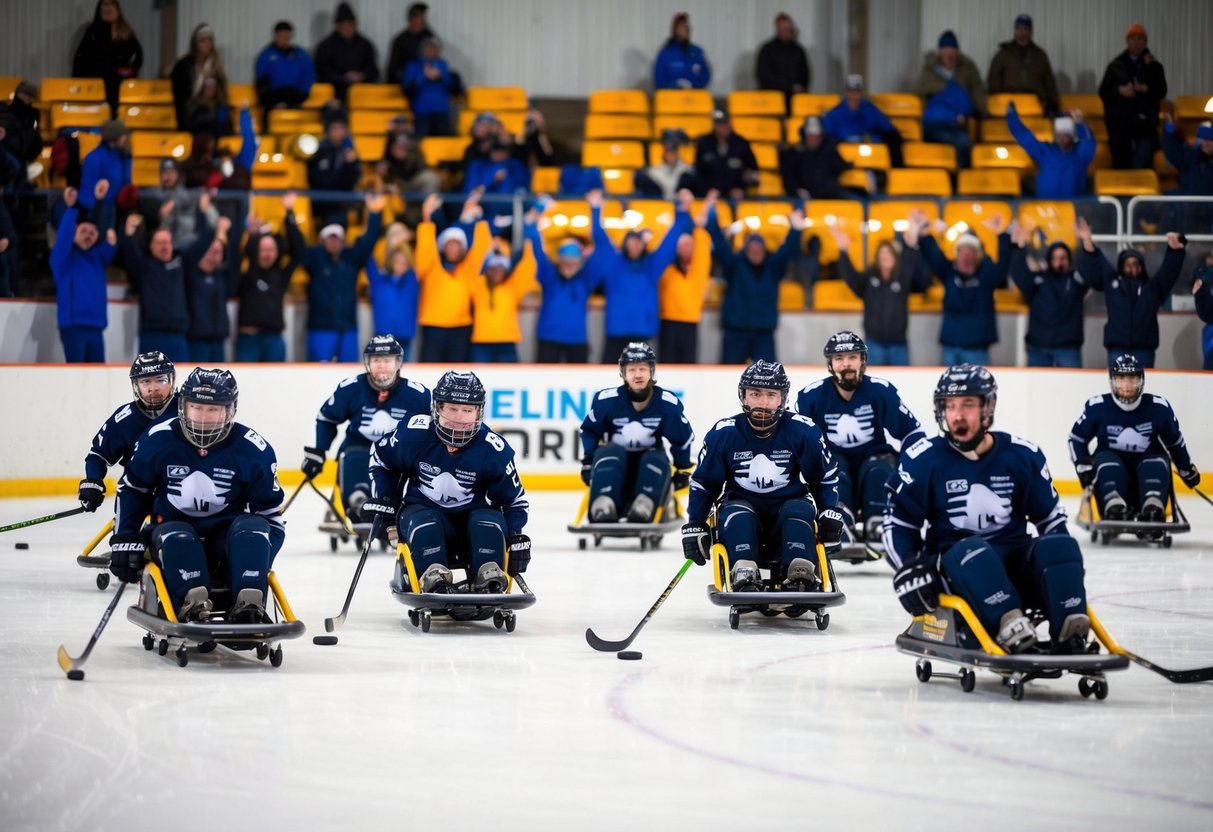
x=773 y=726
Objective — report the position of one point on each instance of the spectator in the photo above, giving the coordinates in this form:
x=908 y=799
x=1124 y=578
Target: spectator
x=158 y=278
x=1202 y=290
x=500 y=175
x=750 y=308
x=1020 y=66
x=110 y=51
x=950 y=86
x=19 y=134
x=629 y=276
x=885 y=291
x=212 y=167
x=262 y=292
x=177 y=206
x=724 y=161
x=20 y=146
x=1132 y=297
x=1054 y=295
x=428 y=85
x=284 y=73
x=1062 y=163
x=334 y=166
x=445 y=269
x=969 y=323
x=8 y=241
x=210 y=280
x=782 y=62
x=666 y=178
x=208 y=111
x=407 y=45
x=533 y=146
x=403 y=169
x=560 y=329
x=394 y=290
x=1193 y=161
x=681 y=64
x=111 y=161
x=1132 y=89
x=345 y=57
x=682 y=291
x=78 y=261
x=332 y=270
x=192 y=69
x=857 y=119
x=496 y=296
x=810 y=170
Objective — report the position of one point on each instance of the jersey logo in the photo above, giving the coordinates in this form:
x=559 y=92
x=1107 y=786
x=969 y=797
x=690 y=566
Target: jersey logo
x=847 y=430
x=957 y=486
x=121 y=414
x=178 y=471
x=1133 y=440
x=980 y=510
x=197 y=495
x=762 y=475
x=444 y=490
x=739 y=456
x=254 y=437
x=635 y=435
x=496 y=441
x=915 y=450
x=377 y=423
x=419 y=421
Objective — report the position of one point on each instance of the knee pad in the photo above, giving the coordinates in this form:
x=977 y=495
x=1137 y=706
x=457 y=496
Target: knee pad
x=486 y=538
x=1154 y=477
x=652 y=475
x=248 y=552
x=182 y=559
x=1056 y=561
x=737 y=528
x=974 y=570
x=423 y=531
x=797 y=532
x=606 y=474
x=873 y=476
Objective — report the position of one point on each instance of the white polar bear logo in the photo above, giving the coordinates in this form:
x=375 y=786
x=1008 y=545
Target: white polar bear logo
x=762 y=475
x=378 y=426
x=847 y=431
x=197 y=495
x=445 y=490
x=1130 y=440
x=634 y=436
x=980 y=510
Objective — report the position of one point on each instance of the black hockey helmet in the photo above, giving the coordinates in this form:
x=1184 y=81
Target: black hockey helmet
x=457 y=388
x=208 y=387
x=966 y=380
x=764 y=375
x=841 y=343
x=378 y=346
x=1127 y=365
x=638 y=352
x=152 y=365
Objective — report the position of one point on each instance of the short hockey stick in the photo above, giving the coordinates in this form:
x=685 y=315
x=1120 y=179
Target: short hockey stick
x=340 y=515
x=69 y=513
x=615 y=646
x=71 y=665
x=334 y=623
x=1179 y=677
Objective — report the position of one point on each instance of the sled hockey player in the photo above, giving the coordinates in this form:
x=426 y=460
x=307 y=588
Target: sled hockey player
x=854 y=411
x=1136 y=437
x=771 y=477
x=450 y=486
x=372 y=403
x=623 y=461
x=211 y=487
x=976 y=490
x=153 y=377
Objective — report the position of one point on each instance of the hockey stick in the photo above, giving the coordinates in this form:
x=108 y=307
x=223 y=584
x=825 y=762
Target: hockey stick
x=615 y=646
x=291 y=498
x=340 y=515
x=518 y=579
x=1199 y=493
x=334 y=623
x=1179 y=677
x=72 y=666
x=69 y=513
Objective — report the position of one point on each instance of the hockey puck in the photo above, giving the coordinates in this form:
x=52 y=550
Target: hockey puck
x=75 y=675
x=629 y=655
x=20 y=545
x=325 y=640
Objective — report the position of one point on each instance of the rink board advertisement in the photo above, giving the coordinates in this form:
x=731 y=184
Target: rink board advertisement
x=53 y=412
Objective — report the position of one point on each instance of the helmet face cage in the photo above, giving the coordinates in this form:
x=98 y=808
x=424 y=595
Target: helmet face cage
x=966 y=380
x=152 y=365
x=383 y=346
x=764 y=375
x=210 y=387
x=842 y=343
x=457 y=388
x=1127 y=366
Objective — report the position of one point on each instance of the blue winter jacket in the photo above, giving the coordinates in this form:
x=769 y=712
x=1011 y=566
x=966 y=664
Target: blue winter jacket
x=1133 y=303
x=969 y=319
x=1195 y=167
x=947 y=105
x=292 y=68
x=427 y=97
x=80 y=276
x=681 y=62
x=562 y=313
x=1054 y=301
x=393 y=300
x=1061 y=174
x=751 y=299
x=104 y=162
x=332 y=300
x=866 y=122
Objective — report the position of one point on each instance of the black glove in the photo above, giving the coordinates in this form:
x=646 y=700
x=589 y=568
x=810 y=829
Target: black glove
x=830 y=524
x=917 y=587
x=1190 y=477
x=681 y=479
x=127 y=556
x=696 y=542
x=313 y=462
x=1085 y=468
x=381 y=511
x=587 y=467
x=92 y=494
x=520 y=554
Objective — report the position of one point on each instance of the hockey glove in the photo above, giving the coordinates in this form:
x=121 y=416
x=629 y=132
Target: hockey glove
x=917 y=587
x=92 y=494
x=1085 y=469
x=587 y=467
x=383 y=512
x=1191 y=476
x=520 y=554
x=127 y=556
x=313 y=462
x=830 y=524
x=696 y=542
x=681 y=479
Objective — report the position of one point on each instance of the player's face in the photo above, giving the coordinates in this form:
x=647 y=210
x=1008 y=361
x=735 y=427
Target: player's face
x=846 y=366
x=205 y=416
x=963 y=415
x=637 y=376
x=1127 y=387
x=457 y=417
x=154 y=390
x=758 y=399
x=383 y=367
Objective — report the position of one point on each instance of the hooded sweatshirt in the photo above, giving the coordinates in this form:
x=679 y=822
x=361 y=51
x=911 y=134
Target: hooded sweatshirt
x=1133 y=303
x=1054 y=300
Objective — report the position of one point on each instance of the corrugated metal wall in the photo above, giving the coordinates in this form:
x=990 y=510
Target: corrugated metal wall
x=38 y=37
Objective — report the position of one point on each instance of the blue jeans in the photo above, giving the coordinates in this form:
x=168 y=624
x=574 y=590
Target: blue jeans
x=172 y=344
x=1054 y=356
x=206 y=350
x=501 y=353
x=83 y=344
x=261 y=346
x=888 y=353
x=964 y=355
x=1144 y=357
x=333 y=345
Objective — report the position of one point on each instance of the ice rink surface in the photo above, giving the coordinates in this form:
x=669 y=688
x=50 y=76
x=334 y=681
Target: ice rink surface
x=775 y=725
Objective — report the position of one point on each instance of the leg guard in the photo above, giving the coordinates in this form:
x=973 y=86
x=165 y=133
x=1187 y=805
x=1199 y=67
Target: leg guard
x=486 y=539
x=737 y=527
x=1056 y=564
x=846 y=488
x=975 y=572
x=1153 y=486
x=424 y=530
x=607 y=474
x=246 y=548
x=354 y=480
x=873 y=477
x=652 y=476
x=797 y=537
x=1111 y=482
x=179 y=552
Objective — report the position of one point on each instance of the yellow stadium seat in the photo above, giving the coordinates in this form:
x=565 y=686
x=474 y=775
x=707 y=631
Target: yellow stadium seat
x=929 y=301
x=319 y=95
x=443 y=149
x=1126 y=182
x=757 y=103
x=88 y=143
x=376 y=97
x=145 y=173
x=145 y=91
x=929 y=155
x=496 y=98
x=988 y=182
x=770 y=183
x=625 y=154
x=1026 y=104
x=366 y=122
x=919 y=182
x=278 y=172
x=682 y=102
x=898 y=104
x=655 y=215
x=270 y=210
x=1009 y=300
x=1101 y=159
x=857 y=179
x=791 y=296
x=67 y=114
x=289 y=122
x=996 y=129
x=160 y=144
x=909 y=128
x=612 y=126
x=863 y=155
x=148 y=116
x=78 y=90
x=835 y=296
x=844 y=214
x=239 y=93
x=1054 y=219
x=571 y=218
x=624 y=102
x=1193 y=106
x=757 y=128
x=888 y=216
x=8 y=86
x=967 y=215
x=767 y=155
x=1008 y=155
x=806 y=104
x=545 y=180
x=619 y=181
x=791 y=130
x=1090 y=103
x=770 y=219
x=370 y=146
x=693 y=126
x=232 y=144
x=686 y=153
x=514 y=121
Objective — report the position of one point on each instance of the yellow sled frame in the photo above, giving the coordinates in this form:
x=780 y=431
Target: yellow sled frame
x=166 y=604
x=406 y=558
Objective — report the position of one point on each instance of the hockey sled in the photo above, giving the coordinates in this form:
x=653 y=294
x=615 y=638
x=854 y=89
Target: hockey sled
x=954 y=635
x=1104 y=532
x=156 y=615
x=337 y=526
x=774 y=600
x=667 y=520
x=461 y=604
x=102 y=562
x=856 y=548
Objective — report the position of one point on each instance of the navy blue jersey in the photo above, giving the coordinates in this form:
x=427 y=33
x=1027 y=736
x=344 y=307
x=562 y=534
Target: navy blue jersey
x=994 y=496
x=1148 y=428
x=855 y=429
x=613 y=418
x=372 y=413
x=791 y=462
x=115 y=442
x=170 y=479
x=481 y=474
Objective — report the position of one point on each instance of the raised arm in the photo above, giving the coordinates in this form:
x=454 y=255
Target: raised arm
x=1031 y=145
x=1172 y=263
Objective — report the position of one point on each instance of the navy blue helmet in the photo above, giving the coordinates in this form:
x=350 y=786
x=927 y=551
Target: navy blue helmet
x=208 y=387
x=764 y=375
x=638 y=352
x=841 y=343
x=966 y=380
x=457 y=388
x=152 y=365
x=383 y=346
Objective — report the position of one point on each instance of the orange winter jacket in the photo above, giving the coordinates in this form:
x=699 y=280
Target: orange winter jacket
x=446 y=297
x=681 y=295
x=495 y=317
